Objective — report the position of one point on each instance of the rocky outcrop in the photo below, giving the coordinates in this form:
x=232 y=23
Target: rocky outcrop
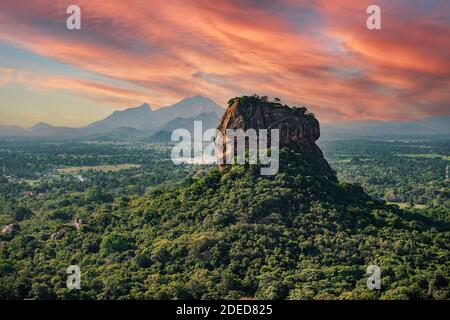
x=11 y=228
x=77 y=223
x=58 y=234
x=299 y=130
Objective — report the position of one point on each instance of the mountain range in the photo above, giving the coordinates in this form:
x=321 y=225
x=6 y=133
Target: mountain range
x=140 y=120
x=143 y=121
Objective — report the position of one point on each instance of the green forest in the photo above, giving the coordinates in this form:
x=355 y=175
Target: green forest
x=153 y=230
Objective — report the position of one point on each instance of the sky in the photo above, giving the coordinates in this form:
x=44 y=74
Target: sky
x=317 y=53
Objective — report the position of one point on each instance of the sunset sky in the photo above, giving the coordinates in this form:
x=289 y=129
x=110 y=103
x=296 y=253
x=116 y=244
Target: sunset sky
x=314 y=53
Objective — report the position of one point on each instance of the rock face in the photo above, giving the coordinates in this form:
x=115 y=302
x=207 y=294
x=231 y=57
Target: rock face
x=11 y=228
x=58 y=234
x=298 y=129
x=77 y=223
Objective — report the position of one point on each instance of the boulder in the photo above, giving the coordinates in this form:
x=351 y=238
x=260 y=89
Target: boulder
x=11 y=228
x=58 y=234
x=77 y=223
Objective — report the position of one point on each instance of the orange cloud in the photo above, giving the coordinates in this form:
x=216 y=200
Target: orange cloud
x=317 y=53
x=113 y=95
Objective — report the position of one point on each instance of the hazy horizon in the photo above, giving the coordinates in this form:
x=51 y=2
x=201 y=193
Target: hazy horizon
x=111 y=111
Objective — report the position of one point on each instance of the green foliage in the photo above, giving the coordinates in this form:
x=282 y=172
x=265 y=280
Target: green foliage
x=60 y=214
x=22 y=213
x=228 y=234
x=384 y=170
x=114 y=242
x=96 y=195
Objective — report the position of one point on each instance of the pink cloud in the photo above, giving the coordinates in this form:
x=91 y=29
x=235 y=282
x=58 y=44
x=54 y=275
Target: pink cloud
x=327 y=60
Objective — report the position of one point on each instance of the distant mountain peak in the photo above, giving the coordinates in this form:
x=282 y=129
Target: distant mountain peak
x=199 y=97
x=140 y=117
x=195 y=105
x=143 y=108
x=143 y=118
x=195 y=99
x=41 y=125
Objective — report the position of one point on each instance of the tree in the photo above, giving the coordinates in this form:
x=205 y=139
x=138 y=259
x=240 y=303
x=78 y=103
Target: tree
x=96 y=195
x=41 y=291
x=22 y=213
x=114 y=242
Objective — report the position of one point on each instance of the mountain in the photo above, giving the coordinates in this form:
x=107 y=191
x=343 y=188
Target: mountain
x=40 y=126
x=12 y=131
x=44 y=129
x=144 y=119
x=132 y=117
x=141 y=118
x=163 y=133
x=371 y=128
x=186 y=108
x=40 y=129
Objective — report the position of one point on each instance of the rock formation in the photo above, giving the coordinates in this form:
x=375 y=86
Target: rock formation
x=11 y=228
x=58 y=234
x=77 y=223
x=298 y=129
